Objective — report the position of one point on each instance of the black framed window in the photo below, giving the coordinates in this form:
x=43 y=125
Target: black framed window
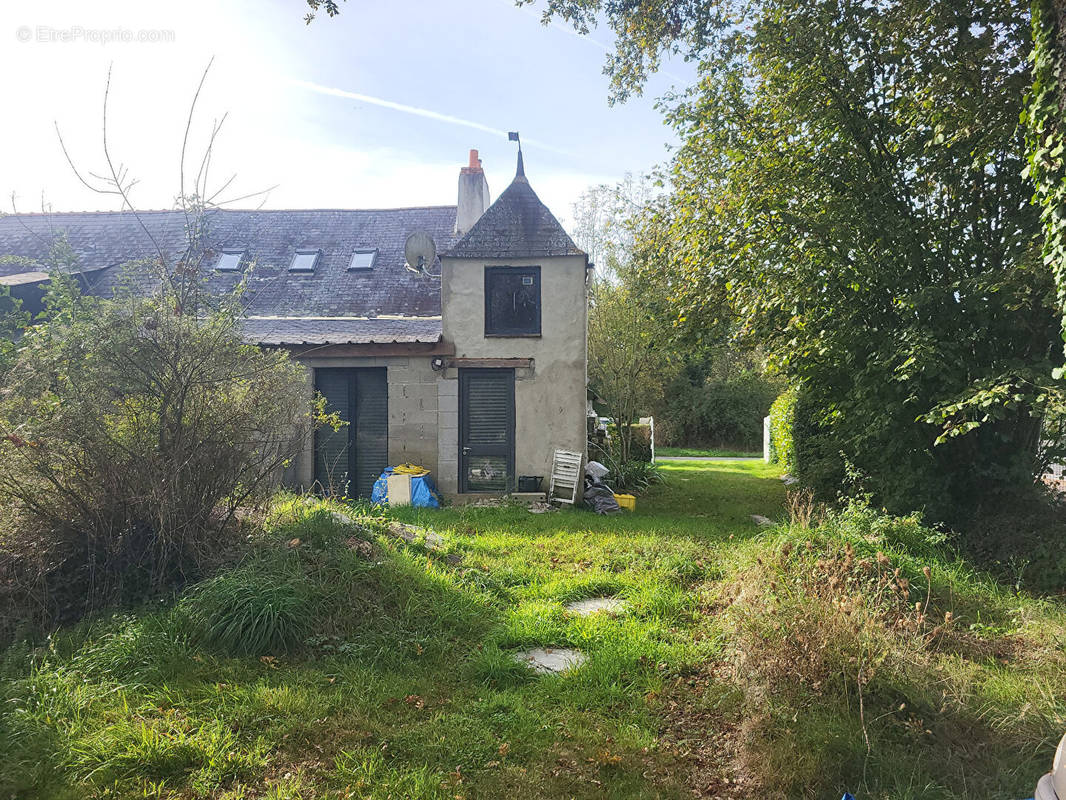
x=512 y=301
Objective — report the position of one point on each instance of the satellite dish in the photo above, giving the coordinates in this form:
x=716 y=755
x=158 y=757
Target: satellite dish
x=420 y=251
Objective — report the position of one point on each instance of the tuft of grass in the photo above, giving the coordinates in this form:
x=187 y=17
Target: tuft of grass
x=375 y=779
x=254 y=610
x=210 y=754
x=495 y=667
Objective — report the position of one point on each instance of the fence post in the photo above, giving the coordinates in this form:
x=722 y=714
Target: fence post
x=766 y=439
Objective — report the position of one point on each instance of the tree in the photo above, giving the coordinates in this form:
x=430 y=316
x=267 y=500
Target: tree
x=605 y=224
x=645 y=31
x=132 y=431
x=629 y=345
x=331 y=7
x=1045 y=115
x=849 y=188
x=628 y=359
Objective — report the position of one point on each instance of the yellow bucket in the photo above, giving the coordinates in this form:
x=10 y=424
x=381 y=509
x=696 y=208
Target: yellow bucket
x=626 y=501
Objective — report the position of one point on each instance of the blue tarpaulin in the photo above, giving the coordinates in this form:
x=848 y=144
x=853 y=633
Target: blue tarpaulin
x=423 y=492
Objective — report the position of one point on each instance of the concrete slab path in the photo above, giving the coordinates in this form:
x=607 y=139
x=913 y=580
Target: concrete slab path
x=551 y=659
x=595 y=605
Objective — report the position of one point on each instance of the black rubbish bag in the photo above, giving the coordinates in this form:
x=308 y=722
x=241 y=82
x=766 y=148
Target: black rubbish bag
x=601 y=499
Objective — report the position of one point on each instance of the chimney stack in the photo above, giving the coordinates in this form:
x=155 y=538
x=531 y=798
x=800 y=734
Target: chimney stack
x=473 y=195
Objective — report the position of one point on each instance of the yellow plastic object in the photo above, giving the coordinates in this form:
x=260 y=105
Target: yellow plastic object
x=626 y=501
x=410 y=469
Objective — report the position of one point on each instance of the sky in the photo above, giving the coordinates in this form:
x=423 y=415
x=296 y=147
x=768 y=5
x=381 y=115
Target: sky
x=375 y=108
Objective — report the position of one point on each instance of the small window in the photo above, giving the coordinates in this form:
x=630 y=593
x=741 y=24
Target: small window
x=363 y=260
x=512 y=301
x=304 y=261
x=229 y=261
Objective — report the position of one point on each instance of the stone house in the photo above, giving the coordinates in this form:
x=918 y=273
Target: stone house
x=473 y=367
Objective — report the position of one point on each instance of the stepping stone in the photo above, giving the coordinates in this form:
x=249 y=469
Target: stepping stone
x=409 y=533
x=551 y=660
x=595 y=605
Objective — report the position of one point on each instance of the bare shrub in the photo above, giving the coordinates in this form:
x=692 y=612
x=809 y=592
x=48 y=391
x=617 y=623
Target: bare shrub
x=132 y=431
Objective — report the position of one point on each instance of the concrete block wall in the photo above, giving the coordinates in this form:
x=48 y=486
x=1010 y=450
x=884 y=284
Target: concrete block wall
x=413 y=398
x=412 y=412
x=448 y=433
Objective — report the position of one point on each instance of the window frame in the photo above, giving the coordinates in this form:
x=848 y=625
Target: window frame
x=492 y=271
x=363 y=251
x=305 y=251
x=230 y=251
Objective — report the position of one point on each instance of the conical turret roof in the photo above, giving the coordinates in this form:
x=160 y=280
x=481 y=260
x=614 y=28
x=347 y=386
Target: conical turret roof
x=517 y=225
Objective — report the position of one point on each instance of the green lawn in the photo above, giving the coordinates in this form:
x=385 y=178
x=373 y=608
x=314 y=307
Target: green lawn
x=403 y=685
x=696 y=452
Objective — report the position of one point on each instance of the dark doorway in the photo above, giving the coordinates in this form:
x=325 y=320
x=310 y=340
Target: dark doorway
x=486 y=430
x=349 y=460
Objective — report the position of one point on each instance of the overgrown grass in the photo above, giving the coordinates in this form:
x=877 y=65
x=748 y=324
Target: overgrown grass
x=736 y=665
x=698 y=452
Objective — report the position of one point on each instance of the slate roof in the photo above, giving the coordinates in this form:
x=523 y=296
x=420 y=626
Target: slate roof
x=103 y=241
x=340 y=330
x=517 y=225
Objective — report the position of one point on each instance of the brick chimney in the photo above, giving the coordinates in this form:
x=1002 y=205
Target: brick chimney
x=473 y=195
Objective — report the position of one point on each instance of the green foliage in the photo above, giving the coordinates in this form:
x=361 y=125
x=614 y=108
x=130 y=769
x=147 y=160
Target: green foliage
x=700 y=452
x=703 y=408
x=628 y=356
x=633 y=475
x=768 y=637
x=846 y=634
x=255 y=610
x=1020 y=542
x=331 y=7
x=1046 y=135
x=644 y=32
x=13 y=321
x=639 y=441
x=782 y=430
x=849 y=188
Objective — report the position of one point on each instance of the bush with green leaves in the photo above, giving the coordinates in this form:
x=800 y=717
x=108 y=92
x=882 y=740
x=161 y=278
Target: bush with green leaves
x=715 y=412
x=782 y=425
x=633 y=476
x=639 y=441
x=132 y=429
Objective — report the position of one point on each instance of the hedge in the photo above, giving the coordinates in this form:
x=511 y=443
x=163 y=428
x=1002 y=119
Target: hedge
x=782 y=430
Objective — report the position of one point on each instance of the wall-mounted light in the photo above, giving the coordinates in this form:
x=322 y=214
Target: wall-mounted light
x=436 y=363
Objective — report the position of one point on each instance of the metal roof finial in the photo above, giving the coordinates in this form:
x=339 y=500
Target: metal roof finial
x=512 y=136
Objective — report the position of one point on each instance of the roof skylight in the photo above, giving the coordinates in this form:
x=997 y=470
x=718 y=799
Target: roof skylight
x=304 y=261
x=363 y=259
x=229 y=260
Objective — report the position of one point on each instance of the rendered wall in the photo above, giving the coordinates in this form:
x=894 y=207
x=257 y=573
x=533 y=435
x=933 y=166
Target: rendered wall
x=550 y=398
